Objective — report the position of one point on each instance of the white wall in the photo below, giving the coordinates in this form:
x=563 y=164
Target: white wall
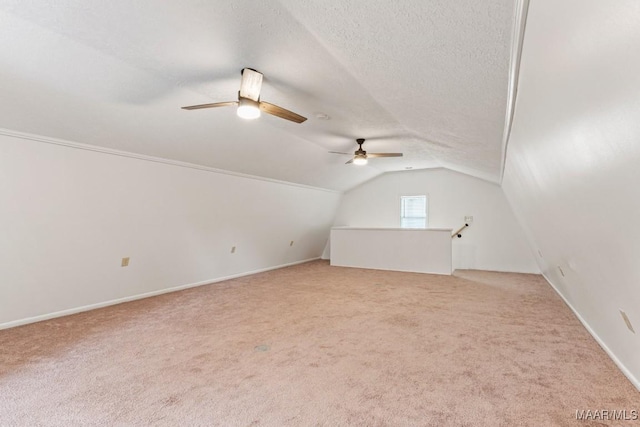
x=573 y=161
x=494 y=241
x=69 y=215
x=395 y=249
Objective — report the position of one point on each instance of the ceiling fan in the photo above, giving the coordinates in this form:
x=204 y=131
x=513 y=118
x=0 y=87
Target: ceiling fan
x=249 y=104
x=360 y=156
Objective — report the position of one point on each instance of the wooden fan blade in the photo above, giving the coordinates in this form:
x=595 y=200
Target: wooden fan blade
x=350 y=161
x=214 y=105
x=338 y=152
x=274 y=110
x=384 y=154
x=251 y=84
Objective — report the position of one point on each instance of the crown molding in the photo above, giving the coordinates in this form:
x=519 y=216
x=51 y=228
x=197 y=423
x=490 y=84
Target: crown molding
x=517 y=41
x=144 y=157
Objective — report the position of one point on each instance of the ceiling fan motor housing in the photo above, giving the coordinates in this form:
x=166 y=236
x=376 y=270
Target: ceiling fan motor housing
x=360 y=152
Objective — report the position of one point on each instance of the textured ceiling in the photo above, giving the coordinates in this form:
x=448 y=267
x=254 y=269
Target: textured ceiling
x=428 y=78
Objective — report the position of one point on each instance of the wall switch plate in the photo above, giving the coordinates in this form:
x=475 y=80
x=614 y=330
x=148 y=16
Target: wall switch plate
x=627 y=321
x=291 y=244
x=233 y=249
x=468 y=219
x=125 y=262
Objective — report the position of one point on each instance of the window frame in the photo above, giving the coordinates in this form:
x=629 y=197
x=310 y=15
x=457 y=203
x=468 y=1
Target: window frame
x=426 y=209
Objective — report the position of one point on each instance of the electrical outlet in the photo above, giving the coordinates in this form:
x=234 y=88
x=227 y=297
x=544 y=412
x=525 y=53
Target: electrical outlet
x=233 y=249
x=627 y=321
x=125 y=262
x=468 y=219
x=291 y=243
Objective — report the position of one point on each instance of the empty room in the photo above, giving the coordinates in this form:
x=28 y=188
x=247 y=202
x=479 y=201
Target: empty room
x=319 y=213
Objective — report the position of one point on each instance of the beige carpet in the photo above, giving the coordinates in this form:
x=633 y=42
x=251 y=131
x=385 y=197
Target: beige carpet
x=317 y=345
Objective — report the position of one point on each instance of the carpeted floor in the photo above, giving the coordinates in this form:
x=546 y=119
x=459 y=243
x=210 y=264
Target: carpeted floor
x=317 y=345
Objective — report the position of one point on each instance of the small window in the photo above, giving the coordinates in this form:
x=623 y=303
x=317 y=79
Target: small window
x=413 y=212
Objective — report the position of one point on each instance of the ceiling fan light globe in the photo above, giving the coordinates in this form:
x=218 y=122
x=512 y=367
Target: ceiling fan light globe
x=248 y=109
x=360 y=161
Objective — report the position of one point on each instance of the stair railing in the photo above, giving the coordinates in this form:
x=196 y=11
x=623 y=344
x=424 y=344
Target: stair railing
x=458 y=233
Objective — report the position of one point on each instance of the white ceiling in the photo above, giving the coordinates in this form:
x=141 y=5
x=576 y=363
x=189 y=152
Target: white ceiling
x=428 y=78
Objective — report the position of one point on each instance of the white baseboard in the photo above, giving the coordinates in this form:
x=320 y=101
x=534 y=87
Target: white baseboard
x=595 y=336
x=67 y=312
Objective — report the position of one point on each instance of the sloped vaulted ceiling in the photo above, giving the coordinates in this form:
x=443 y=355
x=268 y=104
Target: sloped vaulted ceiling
x=428 y=78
